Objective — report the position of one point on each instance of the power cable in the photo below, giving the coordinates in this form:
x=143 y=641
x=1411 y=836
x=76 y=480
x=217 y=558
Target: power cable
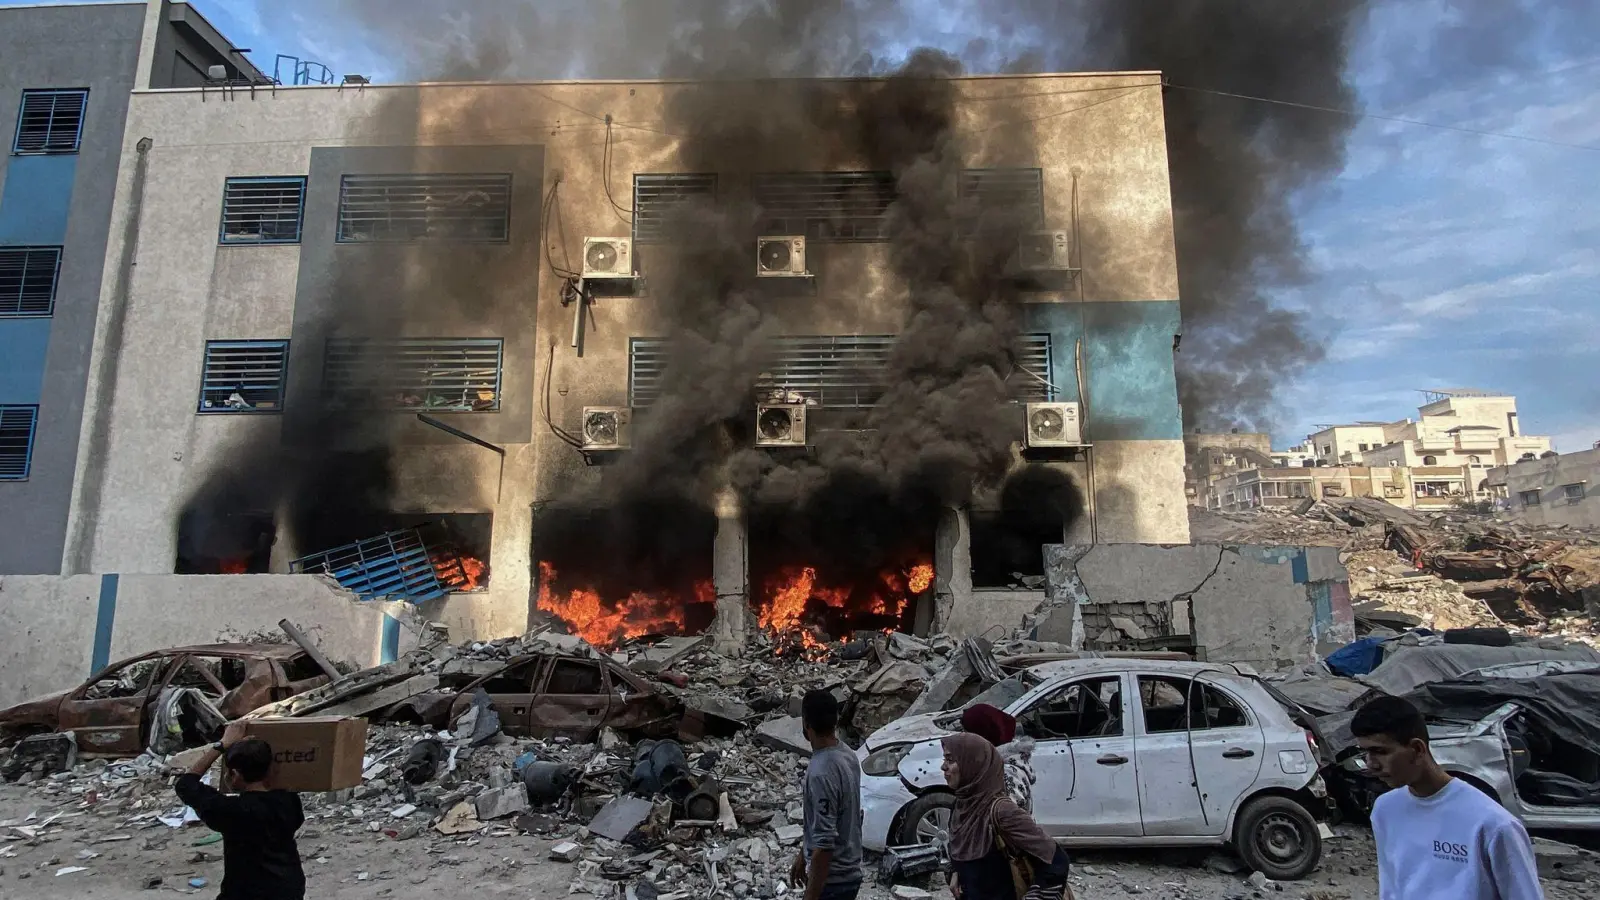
x=605 y=178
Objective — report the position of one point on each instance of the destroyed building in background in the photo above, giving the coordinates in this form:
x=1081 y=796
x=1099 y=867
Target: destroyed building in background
x=1552 y=490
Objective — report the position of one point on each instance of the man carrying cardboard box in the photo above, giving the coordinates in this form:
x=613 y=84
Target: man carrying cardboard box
x=260 y=860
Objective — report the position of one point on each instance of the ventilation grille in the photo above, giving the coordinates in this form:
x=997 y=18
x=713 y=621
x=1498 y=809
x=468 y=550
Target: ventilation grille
x=657 y=198
x=262 y=210
x=16 y=441
x=826 y=206
x=401 y=208
x=839 y=371
x=243 y=376
x=28 y=280
x=450 y=374
x=50 y=122
x=397 y=564
x=1011 y=192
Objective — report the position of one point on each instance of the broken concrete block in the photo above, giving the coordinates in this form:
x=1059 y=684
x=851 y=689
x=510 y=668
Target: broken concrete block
x=790 y=834
x=460 y=819
x=497 y=803
x=1129 y=627
x=784 y=734
x=566 y=851
x=1564 y=862
x=42 y=754
x=668 y=651
x=621 y=816
x=907 y=892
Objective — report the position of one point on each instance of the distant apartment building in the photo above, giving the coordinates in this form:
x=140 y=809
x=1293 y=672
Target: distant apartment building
x=1421 y=487
x=1552 y=490
x=1208 y=457
x=1459 y=427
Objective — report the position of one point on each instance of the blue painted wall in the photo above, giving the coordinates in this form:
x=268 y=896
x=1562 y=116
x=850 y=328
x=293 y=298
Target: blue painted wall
x=23 y=344
x=1128 y=365
x=36 y=200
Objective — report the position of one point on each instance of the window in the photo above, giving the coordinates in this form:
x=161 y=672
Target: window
x=569 y=676
x=50 y=121
x=262 y=210
x=1572 y=492
x=1363 y=447
x=1218 y=710
x=16 y=441
x=243 y=376
x=28 y=280
x=1216 y=460
x=1393 y=491
x=446 y=374
x=657 y=199
x=128 y=681
x=401 y=208
x=1013 y=192
x=1166 y=704
x=1474 y=461
x=839 y=371
x=1529 y=498
x=825 y=206
x=1430 y=460
x=1299 y=489
x=515 y=680
x=1089 y=708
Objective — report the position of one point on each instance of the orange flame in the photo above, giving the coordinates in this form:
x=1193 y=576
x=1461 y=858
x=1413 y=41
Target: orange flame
x=606 y=625
x=783 y=609
x=789 y=601
x=233 y=567
x=472 y=568
x=920 y=576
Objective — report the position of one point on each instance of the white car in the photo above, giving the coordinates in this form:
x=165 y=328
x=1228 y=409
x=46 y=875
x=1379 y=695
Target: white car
x=1128 y=752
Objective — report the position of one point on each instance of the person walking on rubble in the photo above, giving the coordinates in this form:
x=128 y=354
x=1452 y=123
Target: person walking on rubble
x=997 y=851
x=1438 y=837
x=999 y=728
x=829 y=863
x=260 y=860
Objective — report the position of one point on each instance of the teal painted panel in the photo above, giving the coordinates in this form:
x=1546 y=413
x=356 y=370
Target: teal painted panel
x=1128 y=364
x=36 y=199
x=23 y=344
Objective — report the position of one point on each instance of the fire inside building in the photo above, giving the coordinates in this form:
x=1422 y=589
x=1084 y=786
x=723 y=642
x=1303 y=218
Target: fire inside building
x=801 y=356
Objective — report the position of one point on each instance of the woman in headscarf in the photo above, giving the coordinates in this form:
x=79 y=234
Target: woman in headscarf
x=992 y=841
x=999 y=728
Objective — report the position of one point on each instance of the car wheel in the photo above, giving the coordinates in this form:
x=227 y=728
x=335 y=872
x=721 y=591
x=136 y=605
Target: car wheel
x=927 y=820
x=1278 y=837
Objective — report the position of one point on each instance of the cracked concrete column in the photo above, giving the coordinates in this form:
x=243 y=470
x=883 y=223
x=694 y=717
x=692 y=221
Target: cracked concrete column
x=952 y=565
x=730 y=568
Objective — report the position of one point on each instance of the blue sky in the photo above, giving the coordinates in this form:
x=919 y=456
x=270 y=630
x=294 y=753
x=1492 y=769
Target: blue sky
x=1437 y=258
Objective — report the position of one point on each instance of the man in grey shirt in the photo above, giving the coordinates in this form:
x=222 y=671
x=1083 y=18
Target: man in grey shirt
x=829 y=863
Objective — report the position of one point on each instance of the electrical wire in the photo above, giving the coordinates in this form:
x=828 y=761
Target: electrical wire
x=544 y=229
x=605 y=178
x=555 y=429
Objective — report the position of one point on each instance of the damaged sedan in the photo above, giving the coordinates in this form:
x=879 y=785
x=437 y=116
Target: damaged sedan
x=1128 y=752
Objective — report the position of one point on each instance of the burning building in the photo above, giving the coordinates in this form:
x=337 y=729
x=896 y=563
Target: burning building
x=805 y=355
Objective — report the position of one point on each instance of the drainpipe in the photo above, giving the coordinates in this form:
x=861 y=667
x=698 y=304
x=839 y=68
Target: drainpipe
x=80 y=541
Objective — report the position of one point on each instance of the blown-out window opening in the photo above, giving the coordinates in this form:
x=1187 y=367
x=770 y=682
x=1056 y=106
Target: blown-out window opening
x=825 y=206
x=658 y=197
x=50 y=121
x=17 y=428
x=262 y=210
x=243 y=376
x=28 y=278
x=837 y=371
x=439 y=374
x=425 y=207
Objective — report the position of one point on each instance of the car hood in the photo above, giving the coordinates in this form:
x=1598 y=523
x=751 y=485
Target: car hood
x=910 y=730
x=40 y=710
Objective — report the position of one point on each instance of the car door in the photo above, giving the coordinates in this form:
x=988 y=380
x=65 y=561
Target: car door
x=511 y=694
x=1229 y=746
x=1169 y=796
x=1082 y=728
x=108 y=713
x=573 y=701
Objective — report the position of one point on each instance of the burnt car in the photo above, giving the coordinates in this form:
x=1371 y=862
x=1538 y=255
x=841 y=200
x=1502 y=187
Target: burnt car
x=112 y=712
x=550 y=695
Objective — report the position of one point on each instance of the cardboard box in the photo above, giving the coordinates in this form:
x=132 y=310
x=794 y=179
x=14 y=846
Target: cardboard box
x=313 y=753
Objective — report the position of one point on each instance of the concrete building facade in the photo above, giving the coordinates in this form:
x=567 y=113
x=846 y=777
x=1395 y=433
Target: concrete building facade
x=66 y=73
x=1420 y=487
x=1208 y=457
x=1463 y=427
x=1554 y=490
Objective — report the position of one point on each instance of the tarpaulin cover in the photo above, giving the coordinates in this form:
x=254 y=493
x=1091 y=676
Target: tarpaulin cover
x=1358 y=658
x=1565 y=706
x=1404 y=668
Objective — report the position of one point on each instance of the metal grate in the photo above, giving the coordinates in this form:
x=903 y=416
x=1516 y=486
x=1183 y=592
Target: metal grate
x=397 y=564
x=399 y=208
x=16 y=441
x=243 y=376
x=1018 y=192
x=826 y=206
x=448 y=374
x=28 y=280
x=50 y=121
x=262 y=210
x=840 y=371
x=657 y=198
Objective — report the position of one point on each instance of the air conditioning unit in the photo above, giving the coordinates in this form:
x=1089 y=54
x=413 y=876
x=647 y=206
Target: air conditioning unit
x=1044 y=251
x=607 y=258
x=607 y=427
x=1054 y=425
x=782 y=256
x=780 y=425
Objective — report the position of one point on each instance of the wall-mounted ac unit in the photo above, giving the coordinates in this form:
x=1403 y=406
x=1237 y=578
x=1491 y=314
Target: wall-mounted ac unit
x=607 y=427
x=607 y=258
x=780 y=425
x=1044 y=251
x=1054 y=425
x=781 y=256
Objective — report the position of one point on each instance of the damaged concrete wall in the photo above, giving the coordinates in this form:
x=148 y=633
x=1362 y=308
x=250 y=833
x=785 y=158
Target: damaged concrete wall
x=1266 y=606
x=54 y=631
x=991 y=613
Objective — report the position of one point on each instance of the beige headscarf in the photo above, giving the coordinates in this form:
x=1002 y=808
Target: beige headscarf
x=982 y=806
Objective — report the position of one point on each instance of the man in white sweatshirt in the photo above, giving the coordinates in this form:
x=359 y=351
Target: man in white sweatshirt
x=1438 y=837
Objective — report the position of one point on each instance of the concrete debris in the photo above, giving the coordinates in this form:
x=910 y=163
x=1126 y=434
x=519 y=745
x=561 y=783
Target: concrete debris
x=39 y=756
x=1564 y=862
x=784 y=734
x=620 y=817
x=461 y=819
x=502 y=802
x=566 y=851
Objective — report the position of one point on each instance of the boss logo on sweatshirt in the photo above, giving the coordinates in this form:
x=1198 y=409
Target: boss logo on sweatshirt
x=1449 y=851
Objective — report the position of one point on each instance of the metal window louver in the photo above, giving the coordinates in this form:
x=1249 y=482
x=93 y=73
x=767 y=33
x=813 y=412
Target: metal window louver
x=243 y=376
x=28 y=277
x=262 y=210
x=443 y=374
x=425 y=207
x=658 y=197
x=825 y=206
x=50 y=121
x=1018 y=192
x=17 y=428
x=838 y=371
x=397 y=564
